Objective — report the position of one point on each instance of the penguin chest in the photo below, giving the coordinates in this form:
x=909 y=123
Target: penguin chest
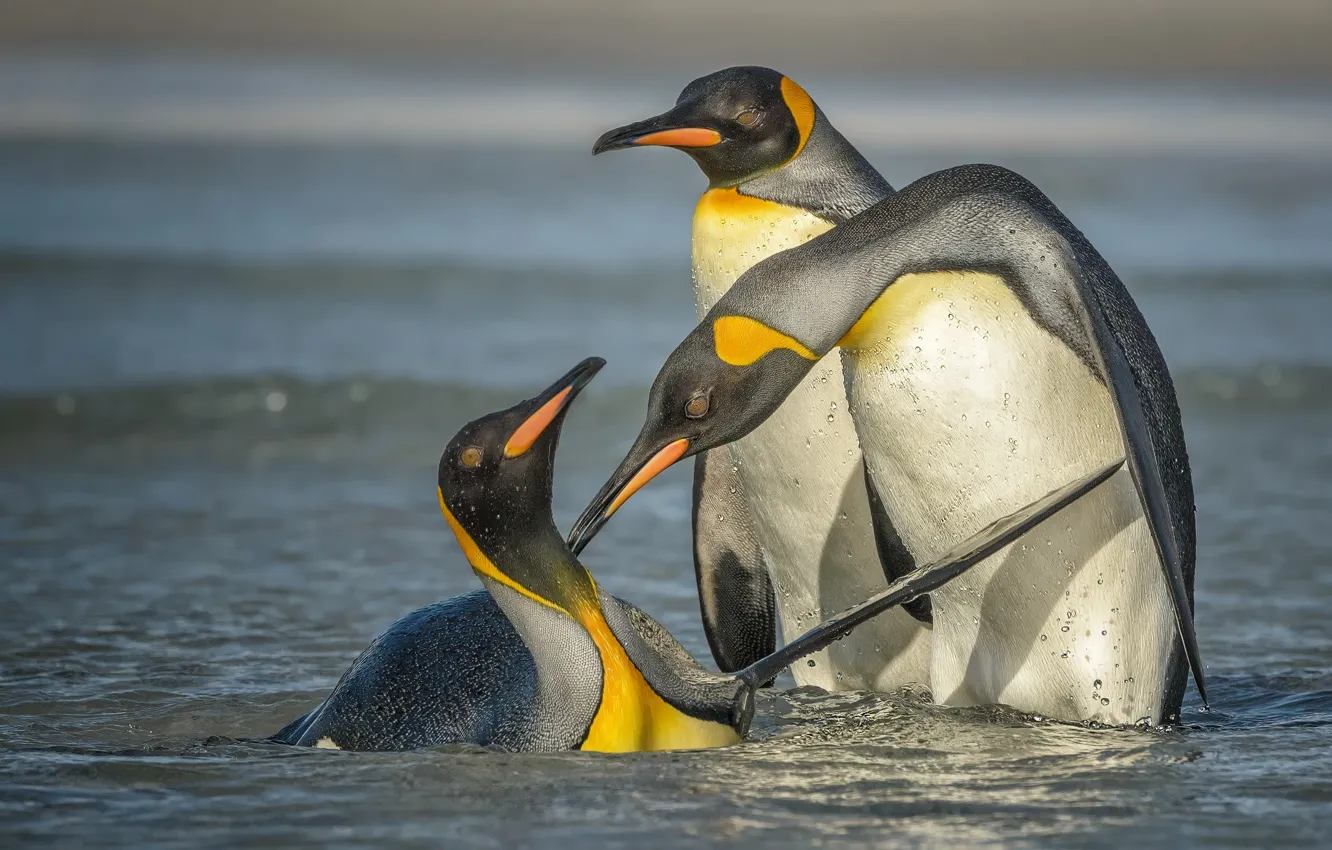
x=732 y=232
x=968 y=410
x=802 y=474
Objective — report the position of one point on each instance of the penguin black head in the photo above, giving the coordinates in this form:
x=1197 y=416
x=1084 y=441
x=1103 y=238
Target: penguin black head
x=737 y=124
x=719 y=384
x=495 y=491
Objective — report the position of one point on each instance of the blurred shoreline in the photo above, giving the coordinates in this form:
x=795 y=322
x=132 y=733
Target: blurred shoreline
x=1234 y=41
x=170 y=96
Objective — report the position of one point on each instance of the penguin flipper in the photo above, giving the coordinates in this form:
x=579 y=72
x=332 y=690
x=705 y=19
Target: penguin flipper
x=932 y=576
x=1142 y=460
x=735 y=592
x=290 y=733
x=896 y=559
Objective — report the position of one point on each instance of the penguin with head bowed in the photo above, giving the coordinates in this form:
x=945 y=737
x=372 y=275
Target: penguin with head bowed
x=988 y=350
x=778 y=175
x=542 y=658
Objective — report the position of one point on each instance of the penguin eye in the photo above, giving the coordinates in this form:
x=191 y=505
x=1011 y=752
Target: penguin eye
x=747 y=118
x=470 y=457
x=697 y=407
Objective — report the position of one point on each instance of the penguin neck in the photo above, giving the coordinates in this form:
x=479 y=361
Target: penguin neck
x=828 y=178
x=537 y=566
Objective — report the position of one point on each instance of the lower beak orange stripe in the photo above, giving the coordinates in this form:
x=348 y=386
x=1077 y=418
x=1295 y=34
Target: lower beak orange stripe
x=527 y=433
x=686 y=137
x=660 y=461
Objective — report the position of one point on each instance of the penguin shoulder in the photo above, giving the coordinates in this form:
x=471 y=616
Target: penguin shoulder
x=668 y=667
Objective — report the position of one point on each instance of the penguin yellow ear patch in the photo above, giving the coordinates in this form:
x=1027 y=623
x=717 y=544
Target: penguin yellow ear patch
x=742 y=341
x=802 y=110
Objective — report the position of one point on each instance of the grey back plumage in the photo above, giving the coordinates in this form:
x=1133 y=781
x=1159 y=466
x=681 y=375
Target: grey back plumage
x=450 y=673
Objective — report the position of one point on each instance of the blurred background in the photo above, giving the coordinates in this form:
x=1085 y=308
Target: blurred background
x=260 y=260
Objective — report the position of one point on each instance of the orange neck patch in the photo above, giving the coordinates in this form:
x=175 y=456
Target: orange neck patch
x=802 y=110
x=742 y=341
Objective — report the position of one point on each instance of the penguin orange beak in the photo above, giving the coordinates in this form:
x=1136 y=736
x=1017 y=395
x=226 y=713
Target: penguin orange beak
x=549 y=405
x=673 y=129
x=637 y=469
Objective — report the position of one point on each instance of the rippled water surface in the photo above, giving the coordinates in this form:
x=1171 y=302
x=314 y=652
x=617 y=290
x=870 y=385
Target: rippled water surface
x=227 y=372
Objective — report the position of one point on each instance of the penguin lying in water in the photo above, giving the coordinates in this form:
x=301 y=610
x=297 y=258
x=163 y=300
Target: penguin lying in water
x=541 y=658
x=986 y=346
x=779 y=174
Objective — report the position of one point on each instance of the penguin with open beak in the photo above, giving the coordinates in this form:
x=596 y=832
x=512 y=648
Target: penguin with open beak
x=988 y=349
x=541 y=658
x=778 y=175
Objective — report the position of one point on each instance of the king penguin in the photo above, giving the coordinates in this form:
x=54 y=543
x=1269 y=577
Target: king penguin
x=989 y=349
x=789 y=505
x=540 y=658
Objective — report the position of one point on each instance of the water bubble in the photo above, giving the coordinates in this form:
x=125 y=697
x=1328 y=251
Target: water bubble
x=810 y=662
x=1042 y=637
x=1097 y=684
x=1063 y=628
x=1105 y=700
